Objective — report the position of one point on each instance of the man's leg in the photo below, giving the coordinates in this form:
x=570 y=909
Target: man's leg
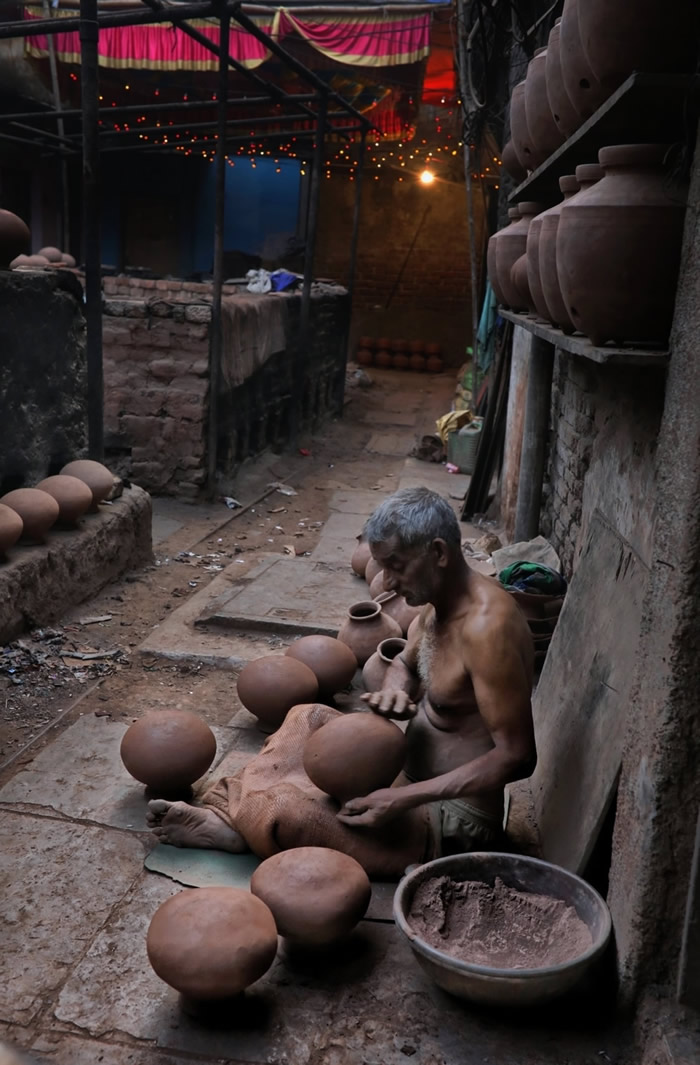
x=183 y=825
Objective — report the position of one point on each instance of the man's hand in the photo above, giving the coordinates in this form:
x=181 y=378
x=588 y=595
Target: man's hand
x=372 y=810
x=391 y=703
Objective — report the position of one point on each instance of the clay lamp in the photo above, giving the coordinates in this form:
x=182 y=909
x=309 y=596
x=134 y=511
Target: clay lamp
x=354 y=755
x=167 y=750
x=331 y=661
x=38 y=511
x=73 y=496
x=97 y=477
x=270 y=686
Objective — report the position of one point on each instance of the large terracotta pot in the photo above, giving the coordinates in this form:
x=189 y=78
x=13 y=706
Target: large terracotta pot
x=354 y=755
x=396 y=607
x=521 y=285
x=511 y=163
x=365 y=628
x=532 y=254
x=73 y=496
x=583 y=88
x=38 y=511
x=619 y=245
x=619 y=37
x=563 y=111
x=545 y=134
x=270 y=686
x=519 y=132
x=168 y=749
x=11 y=526
x=360 y=556
x=331 y=661
x=511 y=245
x=14 y=238
x=586 y=175
x=491 y=265
x=376 y=666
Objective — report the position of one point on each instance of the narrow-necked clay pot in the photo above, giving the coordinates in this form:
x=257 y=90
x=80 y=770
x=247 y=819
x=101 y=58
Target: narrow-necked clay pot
x=14 y=238
x=533 y=251
x=73 y=496
x=396 y=607
x=586 y=175
x=583 y=88
x=544 y=132
x=521 y=286
x=511 y=164
x=511 y=245
x=519 y=132
x=270 y=686
x=331 y=661
x=38 y=511
x=365 y=628
x=372 y=569
x=97 y=477
x=491 y=260
x=563 y=111
x=360 y=556
x=375 y=667
x=316 y=895
x=212 y=942
x=168 y=749
x=11 y=526
x=354 y=755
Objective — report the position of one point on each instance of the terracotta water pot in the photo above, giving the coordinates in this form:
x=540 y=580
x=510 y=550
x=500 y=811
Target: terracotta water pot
x=365 y=357
x=38 y=511
x=212 y=942
x=511 y=245
x=332 y=662
x=586 y=175
x=545 y=134
x=354 y=755
x=360 y=556
x=400 y=360
x=376 y=666
x=11 y=526
x=583 y=88
x=73 y=496
x=396 y=607
x=434 y=364
x=365 y=628
x=519 y=132
x=383 y=359
x=511 y=164
x=521 y=285
x=316 y=895
x=533 y=251
x=97 y=477
x=491 y=262
x=168 y=749
x=377 y=585
x=372 y=569
x=14 y=238
x=619 y=245
x=563 y=111
x=270 y=686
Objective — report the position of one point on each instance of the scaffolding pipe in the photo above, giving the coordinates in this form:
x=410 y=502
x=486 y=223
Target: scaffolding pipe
x=175 y=105
x=185 y=126
x=63 y=228
x=354 y=240
x=173 y=147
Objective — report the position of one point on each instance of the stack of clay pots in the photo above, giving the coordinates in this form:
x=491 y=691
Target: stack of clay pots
x=14 y=242
x=399 y=354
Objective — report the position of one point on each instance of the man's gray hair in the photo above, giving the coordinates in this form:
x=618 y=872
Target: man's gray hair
x=416 y=517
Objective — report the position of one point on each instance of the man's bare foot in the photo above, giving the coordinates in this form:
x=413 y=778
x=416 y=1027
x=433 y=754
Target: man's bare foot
x=183 y=825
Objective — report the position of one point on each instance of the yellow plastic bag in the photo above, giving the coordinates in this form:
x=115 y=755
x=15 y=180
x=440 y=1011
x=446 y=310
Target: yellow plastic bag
x=450 y=423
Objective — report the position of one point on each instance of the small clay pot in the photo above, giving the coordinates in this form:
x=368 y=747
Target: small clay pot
x=97 y=477
x=563 y=111
x=372 y=569
x=545 y=133
x=67 y=259
x=11 y=526
x=399 y=345
x=491 y=256
x=270 y=686
x=568 y=184
x=384 y=343
x=19 y=261
x=14 y=238
x=73 y=496
x=395 y=606
x=417 y=363
x=377 y=585
x=511 y=164
x=367 y=342
x=375 y=667
x=354 y=755
x=433 y=349
x=365 y=357
x=36 y=262
x=520 y=135
x=316 y=895
x=38 y=511
x=434 y=364
x=331 y=661
x=416 y=347
x=383 y=359
x=212 y=942
x=512 y=243
x=366 y=626
x=546 y=251
x=520 y=285
x=167 y=750
x=400 y=361
x=360 y=556
x=54 y=255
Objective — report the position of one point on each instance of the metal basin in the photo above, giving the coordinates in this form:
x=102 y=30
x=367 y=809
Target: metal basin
x=506 y=987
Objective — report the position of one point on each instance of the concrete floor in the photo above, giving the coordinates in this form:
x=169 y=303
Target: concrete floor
x=76 y=987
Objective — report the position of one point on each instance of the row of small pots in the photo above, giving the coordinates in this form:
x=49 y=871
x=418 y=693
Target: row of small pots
x=605 y=260
x=415 y=347
x=399 y=360
x=591 y=50
x=14 y=241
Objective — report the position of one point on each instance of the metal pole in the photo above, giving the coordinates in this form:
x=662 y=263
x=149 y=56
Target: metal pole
x=215 y=335
x=64 y=216
x=89 y=34
x=177 y=105
x=536 y=425
x=354 y=240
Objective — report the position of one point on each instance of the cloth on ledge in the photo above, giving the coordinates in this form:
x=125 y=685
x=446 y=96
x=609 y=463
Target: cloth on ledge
x=275 y=807
x=253 y=328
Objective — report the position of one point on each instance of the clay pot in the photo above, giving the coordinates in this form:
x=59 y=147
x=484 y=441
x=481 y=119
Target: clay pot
x=619 y=38
x=417 y=362
x=316 y=895
x=54 y=255
x=366 y=342
x=376 y=666
x=14 y=238
x=212 y=942
x=36 y=262
x=377 y=585
x=619 y=245
x=400 y=361
x=73 y=496
x=332 y=662
x=519 y=133
x=511 y=245
x=365 y=357
x=545 y=134
x=520 y=285
x=384 y=343
x=383 y=359
x=491 y=261
x=395 y=606
x=20 y=260
x=511 y=163
x=563 y=111
x=97 y=477
x=38 y=511
x=533 y=260
x=583 y=88
x=416 y=347
x=11 y=526
x=360 y=556
x=434 y=364
x=168 y=750
x=354 y=755
x=366 y=626
x=586 y=175
x=270 y=686
x=67 y=259
x=399 y=345
x=372 y=569
x=433 y=349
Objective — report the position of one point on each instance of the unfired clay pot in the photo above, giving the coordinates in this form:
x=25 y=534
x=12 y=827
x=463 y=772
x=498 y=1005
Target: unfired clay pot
x=416 y=347
x=11 y=526
x=511 y=245
x=365 y=357
x=416 y=362
x=366 y=342
x=331 y=661
x=434 y=364
x=545 y=134
x=54 y=255
x=375 y=667
x=376 y=586
x=563 y=111
x=396 y=607
x=533 y=250
x=384 y=343
x=521 y=286
x=399 y=344
x=583 y=88
x=96 y=476
x=14 y=238
x=73 y=496
x=400 y=360
x=270 y=686
x=491 y=262
x=511 y=164
x=619 y=246
x=38 y=511
x=586 y=175
x=168 y=749
x=366 y=626
x=372 y=569
x=360 y=556
x=316 y=895
x=212 y=942
x=383 y=359
x=354 y=755
x=519 y=133
x=67 y=259
x=36 y=262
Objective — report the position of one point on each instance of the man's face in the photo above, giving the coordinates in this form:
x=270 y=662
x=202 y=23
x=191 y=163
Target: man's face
x=410 y=572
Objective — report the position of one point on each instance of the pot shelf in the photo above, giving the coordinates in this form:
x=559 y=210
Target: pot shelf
x=647 y=108
x=580 y=345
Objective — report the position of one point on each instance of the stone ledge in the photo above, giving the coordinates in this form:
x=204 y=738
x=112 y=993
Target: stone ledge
x=38 y=584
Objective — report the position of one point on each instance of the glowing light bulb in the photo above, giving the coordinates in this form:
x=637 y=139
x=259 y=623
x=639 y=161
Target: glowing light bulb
x=427 y=177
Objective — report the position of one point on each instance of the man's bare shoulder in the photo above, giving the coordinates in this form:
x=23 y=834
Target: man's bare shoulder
x=493 y=613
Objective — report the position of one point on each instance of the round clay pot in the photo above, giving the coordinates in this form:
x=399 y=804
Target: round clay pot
x=384 y=343
x=365 y=357
x=519 y=133
x=316 y=895
x=212 y=942
x=19 y=261
x=619 y=245
x=583 y=88
x=14 y=238
x=416 y=347
x=366 y=626
x=511 y=245
x=168 y=750
x=521 y=286
x=366 y=342
x=376 y=666
x=417 y=362
x=395 y=606
x=38 y=511
x=11 y=526
x=332 y=662
x=360 y=556
x=399 y=345
x=372 y=569
x=563 y=111
x=270 y=686
x=511 y=163
x=67 y=259
x=433 y=349
x=383 y=359
x=36 y=262
x=586 y=175
x=354 y=755
x=97 y=477
x=533 y=259
x=377 y=585
x=400 y=361
x=434 y=364
x=54 y=255
x=73 y=496
x=491 y=261
x=545 y=134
